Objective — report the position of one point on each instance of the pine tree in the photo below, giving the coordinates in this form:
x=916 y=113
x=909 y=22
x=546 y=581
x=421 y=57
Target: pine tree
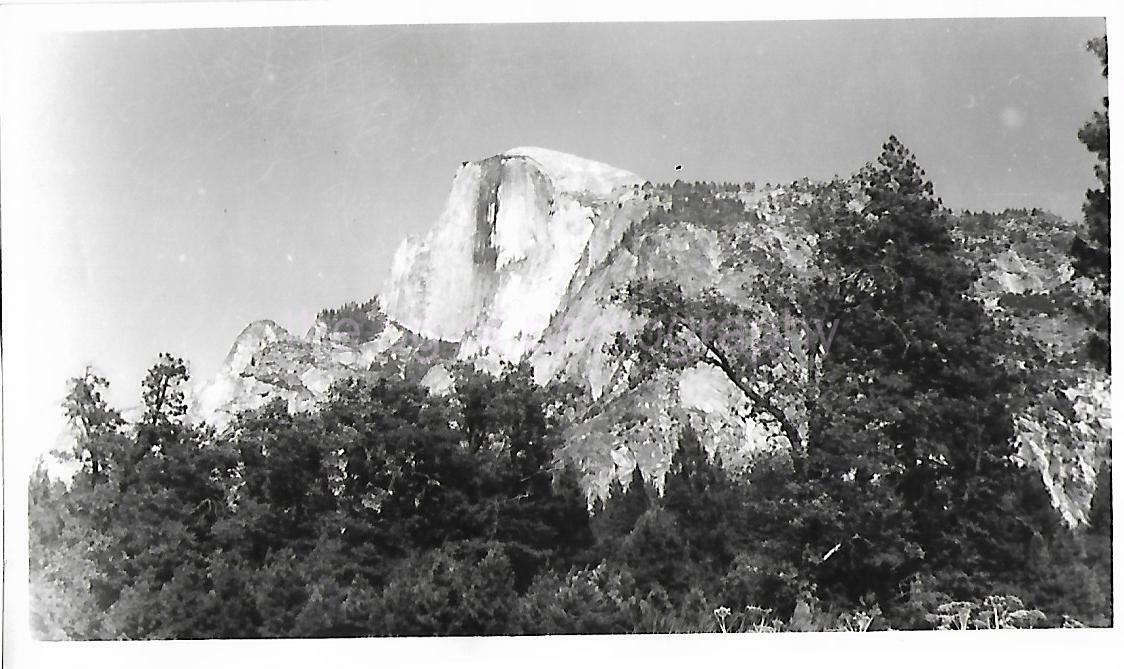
x=913 y=417
x=706 y=503
x=163 y=393
x=621 y=508
x=65 y=583
x=635 y=500
x=458 y=589
x=657 y=553
x=537 y=508
x=96 y=426
x=1092 y=252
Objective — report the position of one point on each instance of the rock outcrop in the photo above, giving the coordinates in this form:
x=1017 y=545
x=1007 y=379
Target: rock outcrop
x=524 y=263
x=496 y=266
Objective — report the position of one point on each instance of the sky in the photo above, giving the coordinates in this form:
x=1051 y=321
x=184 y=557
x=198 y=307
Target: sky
x=165 y=188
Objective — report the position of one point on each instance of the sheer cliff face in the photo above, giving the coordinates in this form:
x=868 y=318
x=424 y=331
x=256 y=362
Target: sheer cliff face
x=519 y=235
x=1027 y=280
x=532 y=245
x=495 y=267
x=523 y=263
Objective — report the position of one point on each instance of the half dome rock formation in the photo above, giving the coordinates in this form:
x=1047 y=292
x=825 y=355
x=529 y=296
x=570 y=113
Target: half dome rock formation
x=495 y=267
x=532 y=250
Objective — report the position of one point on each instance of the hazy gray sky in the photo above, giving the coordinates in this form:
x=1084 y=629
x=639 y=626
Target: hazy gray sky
x=174 y=185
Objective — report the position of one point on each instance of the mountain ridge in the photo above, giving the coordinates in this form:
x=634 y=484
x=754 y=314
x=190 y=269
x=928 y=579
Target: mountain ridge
x=533 y=245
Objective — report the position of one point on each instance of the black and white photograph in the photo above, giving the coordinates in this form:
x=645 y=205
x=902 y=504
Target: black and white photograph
x=505 y=328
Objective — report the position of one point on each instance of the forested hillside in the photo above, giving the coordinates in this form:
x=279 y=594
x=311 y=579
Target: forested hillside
x=396 y=512
x=830 y=406
x=393 y=510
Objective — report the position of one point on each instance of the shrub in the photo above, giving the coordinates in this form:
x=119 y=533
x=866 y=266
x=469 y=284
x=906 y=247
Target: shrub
x=457 y=590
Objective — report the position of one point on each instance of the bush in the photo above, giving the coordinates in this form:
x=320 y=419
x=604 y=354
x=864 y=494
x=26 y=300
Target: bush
x=601 y=600
x=456 y=590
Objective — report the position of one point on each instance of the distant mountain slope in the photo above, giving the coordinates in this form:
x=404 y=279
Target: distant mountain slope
x=531 y=249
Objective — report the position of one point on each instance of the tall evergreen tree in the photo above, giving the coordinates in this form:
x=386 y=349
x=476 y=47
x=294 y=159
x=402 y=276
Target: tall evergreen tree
x=914 y=411
x=617 y=514
x=635 y=500
x=163 y=388
x=536 y=505
x=1092 y=250
x=705 y=501
x=96 y=426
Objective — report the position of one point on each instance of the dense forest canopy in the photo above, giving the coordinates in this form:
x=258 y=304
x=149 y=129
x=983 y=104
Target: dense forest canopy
x=396 y=512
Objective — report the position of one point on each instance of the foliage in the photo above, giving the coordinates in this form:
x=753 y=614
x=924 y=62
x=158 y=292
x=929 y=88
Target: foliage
x=887 y=494
x=96 y=426
x=615 y=516
x=1092 y=250
x=705 y=501
x=912 y=434
x=600 y=600
x=454 y=590
x=390 y=511
x=994 y=612
x=361 y=322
